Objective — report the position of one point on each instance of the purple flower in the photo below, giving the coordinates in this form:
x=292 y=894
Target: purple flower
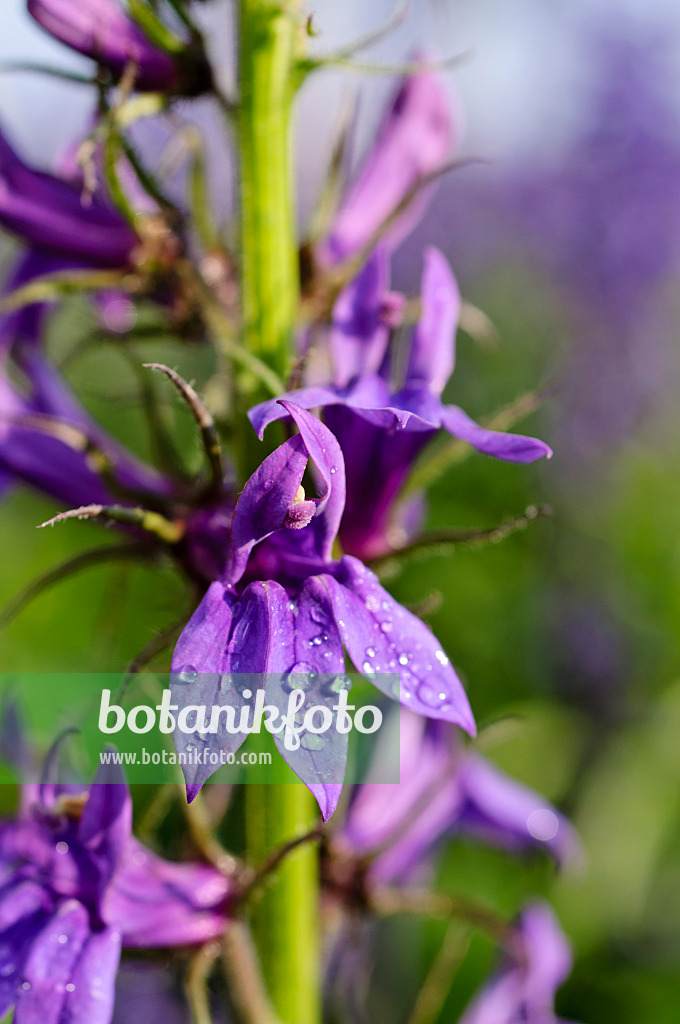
x=147 y=993
x=101 y=29
x=43 y=460
x=380 y=427
x=72 y=895
x=415 y=140
x=285 y=608
x=524 y=987
x=446 y=791
x=51 y=214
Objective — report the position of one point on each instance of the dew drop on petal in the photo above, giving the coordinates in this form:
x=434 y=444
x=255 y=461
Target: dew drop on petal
x=61 y=847
x=188 y=674
x=70 y=987
x=432 y=698
x=543 y=824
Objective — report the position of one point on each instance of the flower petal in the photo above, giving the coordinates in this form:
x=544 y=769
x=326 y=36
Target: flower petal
x=50 y=964
x=106 y=824
x=415 y=139
x=498 y=809
x=363 y=609
x=50 y=213
x=100 y=29
x=359 y=333
x=509 y=447
x=326 y=454
x=318 y=670
x=432 y=354
x=90 y=995
x=264 y=502
x=156 y=903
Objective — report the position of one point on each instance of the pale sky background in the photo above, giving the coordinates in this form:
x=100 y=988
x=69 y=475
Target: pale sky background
x=521 y=90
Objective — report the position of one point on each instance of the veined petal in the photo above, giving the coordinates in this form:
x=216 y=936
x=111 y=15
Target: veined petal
x=432 y=354
x=321 y=759
x=202 y=647
x=509 y=447
x=406 y=647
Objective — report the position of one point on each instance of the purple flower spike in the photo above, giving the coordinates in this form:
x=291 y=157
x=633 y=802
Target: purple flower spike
x=525 y=985
x=415 y=140
x=101 y=29
x=285 y=609
x=77 y=886
x=447 y=791
x=381 y=431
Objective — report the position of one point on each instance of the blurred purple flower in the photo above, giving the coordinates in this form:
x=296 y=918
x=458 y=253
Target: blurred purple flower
x=381 y=430
x=102 y=30
x=284 y=606
x=32 y=451
x=152 y=993
x=415 y=140
x=72 y=895
x=447 y=791
x=524 y=986
x=51 y=214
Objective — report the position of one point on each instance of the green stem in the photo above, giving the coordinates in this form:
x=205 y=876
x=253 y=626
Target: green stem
x=269 y=34
x=285 y=913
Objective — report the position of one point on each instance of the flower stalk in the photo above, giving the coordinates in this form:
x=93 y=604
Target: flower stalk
x=285 y=913
x=270 y=34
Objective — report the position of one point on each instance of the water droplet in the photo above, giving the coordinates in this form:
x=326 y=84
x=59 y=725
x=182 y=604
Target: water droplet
x=188 y=674
x=372 y=603
x=441 y=657
x=189 y=747
x=316 y=641
x=63 y=939
x=367 y=668
x=26 y=985
x=387 y=626
x=404 y=659
x=543 y=824
x=429 y=696
x=337 y=685
x=370 y=652
x=334 y=469
x=310 y=741
x=61 y=847
x=70 y=987
x=302 y=676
